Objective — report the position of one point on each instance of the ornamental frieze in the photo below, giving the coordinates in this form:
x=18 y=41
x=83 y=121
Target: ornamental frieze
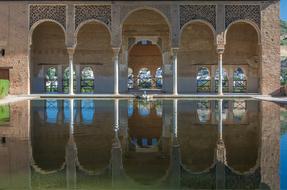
x=89 y=12
x=47 y=12
x=242 y=12
x=197 y=12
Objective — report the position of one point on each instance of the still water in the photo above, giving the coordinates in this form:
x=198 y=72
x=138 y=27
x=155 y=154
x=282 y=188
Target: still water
x=133 y=144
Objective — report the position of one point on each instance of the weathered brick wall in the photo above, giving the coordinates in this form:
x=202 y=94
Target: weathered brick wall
x=270 y=144
x=270 y=42
x=14 y=39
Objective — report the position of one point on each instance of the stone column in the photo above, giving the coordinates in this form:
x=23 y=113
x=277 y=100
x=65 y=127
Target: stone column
x=78 y=78
x=174 y=62
x=71 y=153
x=220 y=54
x=230 y=78
x=116 y=160
x=116 y=70
x=71 y=70
x=175 y=167
x=30 y=74
x=220 y=152
x=212 y=78
x=60 y=77
x=175 y=118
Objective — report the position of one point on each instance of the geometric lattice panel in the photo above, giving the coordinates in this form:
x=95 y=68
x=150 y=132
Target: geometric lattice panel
x=98 y=12
x=51 y=12
x=201 y=12
x=244 y=12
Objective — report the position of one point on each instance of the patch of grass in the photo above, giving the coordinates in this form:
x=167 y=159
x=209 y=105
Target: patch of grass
x=4 y=113
x=4 y=88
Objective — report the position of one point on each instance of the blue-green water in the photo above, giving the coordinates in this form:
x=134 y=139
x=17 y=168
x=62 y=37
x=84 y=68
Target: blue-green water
x=132 y=144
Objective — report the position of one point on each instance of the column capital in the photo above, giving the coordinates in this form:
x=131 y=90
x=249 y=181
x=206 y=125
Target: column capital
x=71 y=50
x=220 y=48
x=116 y=50
x=174 y=49
x=221 y=152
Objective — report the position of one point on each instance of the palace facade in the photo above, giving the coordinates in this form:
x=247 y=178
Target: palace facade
x=173 y=47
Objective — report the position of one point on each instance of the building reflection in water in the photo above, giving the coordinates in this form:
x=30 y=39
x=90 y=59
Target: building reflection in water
x=191 y=144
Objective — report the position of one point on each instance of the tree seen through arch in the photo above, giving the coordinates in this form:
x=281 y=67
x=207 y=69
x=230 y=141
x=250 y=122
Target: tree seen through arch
x=51 y=80
x=87 y=80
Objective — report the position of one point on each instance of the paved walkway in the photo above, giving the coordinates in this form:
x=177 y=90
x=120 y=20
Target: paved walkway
x=10 y=98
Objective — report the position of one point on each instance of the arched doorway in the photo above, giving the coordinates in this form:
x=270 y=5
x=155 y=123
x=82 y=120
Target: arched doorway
x=47 y=48
x=225 y=84
x=196 y=56
x=93 y=49
x=87 y=80
x=145 y=62
x=51 y=80
x=203 y=80
x=242 y=50
x=239 y=81
x=66 y=78
x=146 y=35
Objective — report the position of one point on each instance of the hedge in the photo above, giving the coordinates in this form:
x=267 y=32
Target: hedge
x=4 y=113
x=4 y=88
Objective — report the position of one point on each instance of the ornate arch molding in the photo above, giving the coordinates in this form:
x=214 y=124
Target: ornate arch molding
x=234 y=13
x=84 y=13
x=164 y=10
x=197 y=12
x=55 y=13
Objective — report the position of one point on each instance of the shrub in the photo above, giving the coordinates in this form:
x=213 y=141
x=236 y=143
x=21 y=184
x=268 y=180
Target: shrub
x=4 y=88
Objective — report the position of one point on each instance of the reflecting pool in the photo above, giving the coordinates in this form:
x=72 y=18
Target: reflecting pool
x=140 y=144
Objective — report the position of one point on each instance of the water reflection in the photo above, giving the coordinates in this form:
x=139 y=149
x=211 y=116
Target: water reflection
x=132 y=144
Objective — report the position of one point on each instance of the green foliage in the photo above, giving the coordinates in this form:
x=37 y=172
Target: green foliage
x=4 y=88
x=4 y=114
x=283 y=25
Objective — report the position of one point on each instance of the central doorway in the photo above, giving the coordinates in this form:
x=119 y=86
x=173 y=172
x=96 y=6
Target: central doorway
x=145 y=67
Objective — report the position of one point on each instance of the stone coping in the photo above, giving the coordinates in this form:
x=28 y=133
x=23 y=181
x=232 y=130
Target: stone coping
x=16 y=98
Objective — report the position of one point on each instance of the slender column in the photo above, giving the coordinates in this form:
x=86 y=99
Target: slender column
x=220 y=152
x=116 y=115
x=29 y=70
x=174 y=60
x=60 y=78
x=220 y=122
x=71 y=70
x=116 y=70
x=71 y=153
x=78 y=81
x=175 y=167
x=220 y=53
x=116 y=160
x=230 y=78
x=175 y=119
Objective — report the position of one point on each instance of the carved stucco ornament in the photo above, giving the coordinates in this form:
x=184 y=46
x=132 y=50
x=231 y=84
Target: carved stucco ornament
x=89 y=12
x=47 y=12
x=242 y=12
x=197 y=12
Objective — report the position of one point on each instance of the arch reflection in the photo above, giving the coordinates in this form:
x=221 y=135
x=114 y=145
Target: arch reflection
x=178 y=142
